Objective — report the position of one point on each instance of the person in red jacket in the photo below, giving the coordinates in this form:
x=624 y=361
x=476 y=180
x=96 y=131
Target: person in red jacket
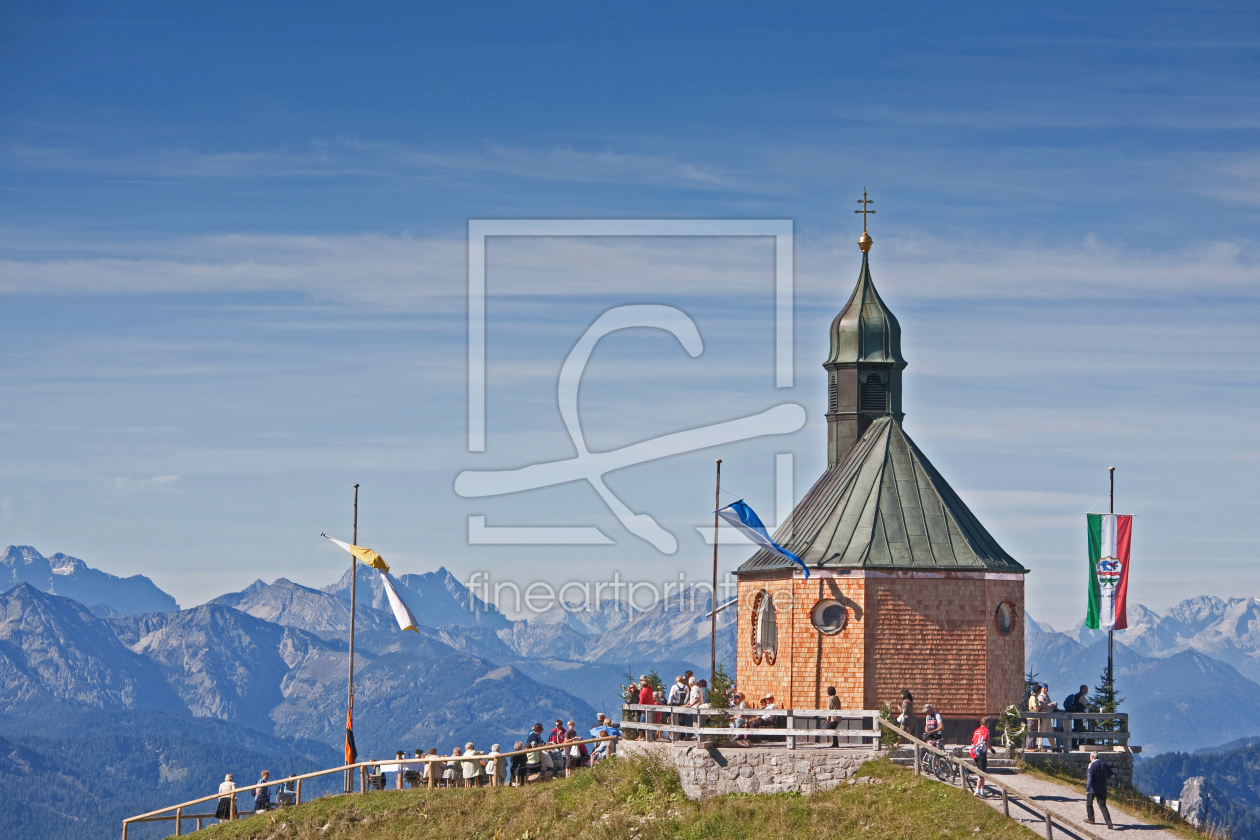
x=980 y=750
x=646 y=698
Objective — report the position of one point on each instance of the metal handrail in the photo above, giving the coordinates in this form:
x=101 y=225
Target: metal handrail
x=1007 y=793
x=360 y=765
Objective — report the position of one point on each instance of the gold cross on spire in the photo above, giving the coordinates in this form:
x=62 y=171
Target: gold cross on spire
x=864 y=201
x=865 y=241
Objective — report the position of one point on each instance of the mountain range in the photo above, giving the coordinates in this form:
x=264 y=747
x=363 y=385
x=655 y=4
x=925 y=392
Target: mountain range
x=171 y=693
x=267 y=667
x=102 y=593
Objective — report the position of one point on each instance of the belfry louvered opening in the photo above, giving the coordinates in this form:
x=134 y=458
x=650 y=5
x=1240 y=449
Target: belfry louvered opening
x=874 y=393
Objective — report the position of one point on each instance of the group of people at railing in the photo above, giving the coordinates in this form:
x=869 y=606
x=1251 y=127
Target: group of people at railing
x=1039 y=707
x=539 y=757
x=688 y=699
x=262 y=795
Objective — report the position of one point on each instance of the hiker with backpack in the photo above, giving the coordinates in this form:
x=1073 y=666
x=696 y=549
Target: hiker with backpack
x=1077 y=703
x=980 y=741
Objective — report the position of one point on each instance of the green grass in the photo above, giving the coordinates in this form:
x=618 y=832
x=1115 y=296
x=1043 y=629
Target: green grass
x=1129 y=798
x=639 y=798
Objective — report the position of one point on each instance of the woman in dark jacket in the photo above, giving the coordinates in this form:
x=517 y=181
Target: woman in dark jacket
x=517 y=766
x=906 y=719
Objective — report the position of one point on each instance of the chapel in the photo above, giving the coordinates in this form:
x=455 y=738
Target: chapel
x=907 y=590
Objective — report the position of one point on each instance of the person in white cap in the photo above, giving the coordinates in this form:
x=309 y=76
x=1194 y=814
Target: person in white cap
x=224 y=811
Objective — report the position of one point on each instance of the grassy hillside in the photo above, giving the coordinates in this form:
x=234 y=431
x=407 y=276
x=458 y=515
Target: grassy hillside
x=641 y=799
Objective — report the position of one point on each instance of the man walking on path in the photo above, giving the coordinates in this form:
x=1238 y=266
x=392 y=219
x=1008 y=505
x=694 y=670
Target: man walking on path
x=1096 y=777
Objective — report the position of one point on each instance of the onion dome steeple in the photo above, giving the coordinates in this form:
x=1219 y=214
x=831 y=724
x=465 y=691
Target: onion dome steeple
x=865 y=363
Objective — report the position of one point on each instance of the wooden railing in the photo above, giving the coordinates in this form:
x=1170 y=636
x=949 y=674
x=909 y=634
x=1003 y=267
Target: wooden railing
x=1007 y=793
x=362 y=767
x=801 y=725
x=1118 y=735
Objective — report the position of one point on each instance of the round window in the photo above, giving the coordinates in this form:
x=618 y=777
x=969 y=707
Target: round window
x=1005 y=617
x=829 y=616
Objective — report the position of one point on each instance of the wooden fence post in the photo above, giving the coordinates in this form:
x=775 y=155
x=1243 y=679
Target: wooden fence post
x=791 y=724
x=430 y=772
x=297 y=797
x=673 y=721
x=179 y=821
x=1006 y=803
x=199 y=823
x=699 y=723
x=124 y=837
x=916 y=760
x=232 y=813
x=1049 y=829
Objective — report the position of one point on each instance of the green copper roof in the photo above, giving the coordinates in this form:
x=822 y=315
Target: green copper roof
x=865 y=330
x=885 y=507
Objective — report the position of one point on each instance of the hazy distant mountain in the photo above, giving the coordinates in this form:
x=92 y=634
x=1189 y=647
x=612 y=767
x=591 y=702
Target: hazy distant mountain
x=223 y=663
x=404 y=702
x=72 y=578
x=1224 y=629
x=52 y=650
x=328 y=616
x=435 y=598
x=669 y=631
x=1141 y=621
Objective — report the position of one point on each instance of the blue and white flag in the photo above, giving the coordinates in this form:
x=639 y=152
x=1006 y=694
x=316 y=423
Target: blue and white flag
x=745 y=520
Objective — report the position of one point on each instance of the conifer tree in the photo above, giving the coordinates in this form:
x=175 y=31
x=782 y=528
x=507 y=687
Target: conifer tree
x=1106 y=699
x=1031 y=685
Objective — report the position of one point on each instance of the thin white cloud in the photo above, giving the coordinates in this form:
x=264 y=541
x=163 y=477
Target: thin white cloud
x=130 y=486
x=389 y=161
x=405 y=273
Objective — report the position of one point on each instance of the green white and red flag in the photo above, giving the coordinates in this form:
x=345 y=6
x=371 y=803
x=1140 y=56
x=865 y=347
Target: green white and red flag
x=1109 y=535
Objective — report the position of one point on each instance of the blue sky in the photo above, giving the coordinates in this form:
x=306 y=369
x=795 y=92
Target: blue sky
x=233 y=272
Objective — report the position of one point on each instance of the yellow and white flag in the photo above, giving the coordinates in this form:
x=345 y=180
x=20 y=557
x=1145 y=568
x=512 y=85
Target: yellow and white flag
x=367 y=555
x=406 y=621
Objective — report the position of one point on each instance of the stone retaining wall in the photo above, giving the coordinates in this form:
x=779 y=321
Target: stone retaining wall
x=1121 y=763
x=719 y=770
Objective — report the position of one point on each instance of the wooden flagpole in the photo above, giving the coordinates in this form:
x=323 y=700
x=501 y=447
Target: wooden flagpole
x=354 y=575
x=717 y=504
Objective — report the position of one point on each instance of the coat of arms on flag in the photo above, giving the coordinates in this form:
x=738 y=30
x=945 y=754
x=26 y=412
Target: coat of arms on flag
x=1109 y=535
x=1109 y=572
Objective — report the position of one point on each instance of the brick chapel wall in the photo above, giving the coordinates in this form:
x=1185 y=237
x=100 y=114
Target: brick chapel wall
x=1005 y=653
x=928 y=635
x=829 y=660
x=756 y=680
x=808 y=661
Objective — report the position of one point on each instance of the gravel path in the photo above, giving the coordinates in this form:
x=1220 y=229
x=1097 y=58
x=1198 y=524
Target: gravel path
x=1068 y=803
